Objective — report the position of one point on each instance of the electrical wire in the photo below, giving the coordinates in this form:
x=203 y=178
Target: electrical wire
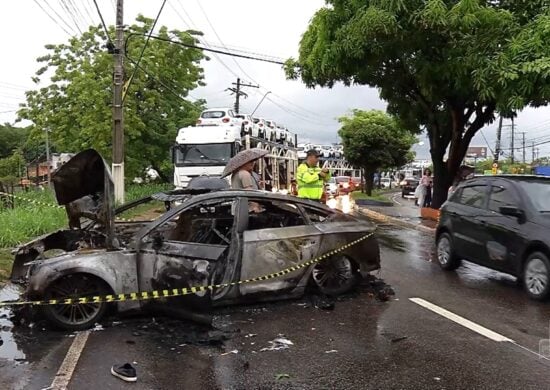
x=52 y=18
x=143 y=49
x=169 y=89
x=71 y=15
x=103 y=23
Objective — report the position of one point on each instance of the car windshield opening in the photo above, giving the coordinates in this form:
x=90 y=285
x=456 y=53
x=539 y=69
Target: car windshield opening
x=203 y=154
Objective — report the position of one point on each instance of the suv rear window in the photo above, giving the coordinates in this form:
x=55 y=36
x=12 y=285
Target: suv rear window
x=213 y=114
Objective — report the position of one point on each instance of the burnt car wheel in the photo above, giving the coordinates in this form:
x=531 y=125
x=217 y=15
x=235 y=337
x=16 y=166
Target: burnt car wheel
x=76 y=316
x=335 y=276
x=446 y=257
x=536 y=276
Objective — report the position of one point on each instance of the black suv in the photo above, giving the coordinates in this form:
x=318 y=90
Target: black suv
x=501 y=222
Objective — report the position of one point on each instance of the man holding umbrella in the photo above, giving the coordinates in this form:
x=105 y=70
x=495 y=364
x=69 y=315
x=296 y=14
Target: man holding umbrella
x=241 y=167
x=310 y=178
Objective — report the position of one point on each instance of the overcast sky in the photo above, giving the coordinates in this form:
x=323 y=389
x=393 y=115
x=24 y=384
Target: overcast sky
x=267 y=27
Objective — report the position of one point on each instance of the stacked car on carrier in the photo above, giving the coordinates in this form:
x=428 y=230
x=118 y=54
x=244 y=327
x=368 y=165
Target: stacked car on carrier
x=255 y=127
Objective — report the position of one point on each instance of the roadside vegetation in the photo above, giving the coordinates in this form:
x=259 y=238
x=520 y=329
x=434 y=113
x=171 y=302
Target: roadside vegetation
x=29 y=220
x=377 y=195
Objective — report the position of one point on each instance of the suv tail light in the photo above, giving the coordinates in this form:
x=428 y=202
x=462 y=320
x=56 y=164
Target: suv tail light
x=225 y=120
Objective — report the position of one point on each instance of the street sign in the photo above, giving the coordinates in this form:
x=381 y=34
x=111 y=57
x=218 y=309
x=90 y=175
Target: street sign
x=494 y=171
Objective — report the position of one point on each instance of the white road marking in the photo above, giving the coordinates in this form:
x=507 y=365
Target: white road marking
x=65 y=372
x=461 y=321
x=395 y=200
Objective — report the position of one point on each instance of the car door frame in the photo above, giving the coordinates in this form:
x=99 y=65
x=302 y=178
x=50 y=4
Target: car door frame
x=505 y=240
x=272 y=240
x=465 y=225
x=234 y=246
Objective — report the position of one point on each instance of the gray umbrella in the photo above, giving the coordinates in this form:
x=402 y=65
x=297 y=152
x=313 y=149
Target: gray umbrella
x=242 y=158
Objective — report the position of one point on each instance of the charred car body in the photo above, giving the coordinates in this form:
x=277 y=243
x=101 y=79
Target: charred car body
x=212 y=238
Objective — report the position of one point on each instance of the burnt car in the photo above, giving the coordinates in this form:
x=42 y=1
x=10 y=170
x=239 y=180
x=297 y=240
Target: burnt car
x=408 y=186
x=500 y=222
x=212 y=238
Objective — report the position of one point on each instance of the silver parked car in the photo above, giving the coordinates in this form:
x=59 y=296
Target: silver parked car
x=212 y=238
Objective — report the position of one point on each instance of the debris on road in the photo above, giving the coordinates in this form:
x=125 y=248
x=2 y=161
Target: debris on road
x=322 y=302
x=282 y=376
x=126 y=372
x=230 y=352
x=278 y=344
x=332 y=351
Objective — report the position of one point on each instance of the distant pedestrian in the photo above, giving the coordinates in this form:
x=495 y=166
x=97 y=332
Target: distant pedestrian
x=427 y=183
x=310 y=178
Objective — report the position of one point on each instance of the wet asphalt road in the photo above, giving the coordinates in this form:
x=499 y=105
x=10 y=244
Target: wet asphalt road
x=362 y=343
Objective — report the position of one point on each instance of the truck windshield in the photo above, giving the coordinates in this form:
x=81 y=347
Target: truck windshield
x=203 y=154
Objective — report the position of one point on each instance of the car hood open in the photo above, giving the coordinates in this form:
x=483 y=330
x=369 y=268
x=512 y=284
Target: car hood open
x=85 y=187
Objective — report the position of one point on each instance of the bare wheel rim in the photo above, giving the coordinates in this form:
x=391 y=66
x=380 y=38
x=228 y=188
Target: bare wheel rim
x=333 y=273
x=75 y=286
x=536 y=276
x=444 y=251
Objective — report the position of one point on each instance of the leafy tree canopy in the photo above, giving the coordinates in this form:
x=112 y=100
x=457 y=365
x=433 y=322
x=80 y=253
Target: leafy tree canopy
x=374 y=140
x=446 y=66
x=11 y=138
x=76 y=102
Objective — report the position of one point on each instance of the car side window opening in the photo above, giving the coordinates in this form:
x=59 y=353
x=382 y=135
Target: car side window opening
x=501 y=197
x=473 y=196
x=267 y=214
x=320 y=216
x=203 y=224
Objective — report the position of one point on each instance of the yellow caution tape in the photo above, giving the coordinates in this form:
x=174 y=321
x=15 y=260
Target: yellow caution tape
x=178 y=292
x=37 y=202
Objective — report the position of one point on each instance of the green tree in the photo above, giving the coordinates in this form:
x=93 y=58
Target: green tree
x=12 y=168
x=11 y=138
x=76 y=104
x=444 y=66
x=374 y=140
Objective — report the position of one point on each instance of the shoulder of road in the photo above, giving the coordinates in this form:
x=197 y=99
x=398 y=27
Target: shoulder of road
x=402 y=213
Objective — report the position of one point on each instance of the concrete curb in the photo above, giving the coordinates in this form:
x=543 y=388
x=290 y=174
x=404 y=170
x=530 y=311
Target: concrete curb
x=394 y=221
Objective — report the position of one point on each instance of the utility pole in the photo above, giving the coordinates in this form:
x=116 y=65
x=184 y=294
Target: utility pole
x=497 y=146
x=523 y=145
x=48 y=155
x=532 y=152
x=118 y=114
x=238 y=93
x=512 y=141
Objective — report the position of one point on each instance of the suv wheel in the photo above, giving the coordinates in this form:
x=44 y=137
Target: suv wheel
x=446 y=257
x=536 y=276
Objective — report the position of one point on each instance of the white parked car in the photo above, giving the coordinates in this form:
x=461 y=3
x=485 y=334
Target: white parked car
x=385 y=182
x=289 y=137
x=273 y=126
x=219 y=116
x=263 y=129
x=326 y=151
x=302 y=150
x=249 y=127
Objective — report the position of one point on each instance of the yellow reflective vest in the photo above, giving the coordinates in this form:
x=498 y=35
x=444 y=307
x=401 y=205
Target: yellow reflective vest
x=310 y=184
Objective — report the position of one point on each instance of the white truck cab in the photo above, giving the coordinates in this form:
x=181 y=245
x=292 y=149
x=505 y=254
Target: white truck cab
x=203 y=151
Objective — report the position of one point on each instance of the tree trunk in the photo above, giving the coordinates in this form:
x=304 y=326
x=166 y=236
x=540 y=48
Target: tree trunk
x=369 y=180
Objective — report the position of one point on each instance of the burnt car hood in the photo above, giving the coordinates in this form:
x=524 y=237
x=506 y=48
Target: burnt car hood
x=85 y=187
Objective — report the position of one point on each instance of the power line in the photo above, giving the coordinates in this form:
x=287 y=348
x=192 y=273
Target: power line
x=169 y=89
x=103 y=23
x=52 y=18
x=70 y=14
x=143 y=50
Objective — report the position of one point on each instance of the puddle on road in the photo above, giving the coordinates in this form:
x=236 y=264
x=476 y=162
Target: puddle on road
x=9 y=348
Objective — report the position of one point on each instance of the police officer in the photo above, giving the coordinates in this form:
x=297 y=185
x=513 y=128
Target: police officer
x=310 y=178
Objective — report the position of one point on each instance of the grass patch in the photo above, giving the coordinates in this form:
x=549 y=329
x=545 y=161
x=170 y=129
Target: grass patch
x=378 y=195
x=6 y=261
x=29 y=220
